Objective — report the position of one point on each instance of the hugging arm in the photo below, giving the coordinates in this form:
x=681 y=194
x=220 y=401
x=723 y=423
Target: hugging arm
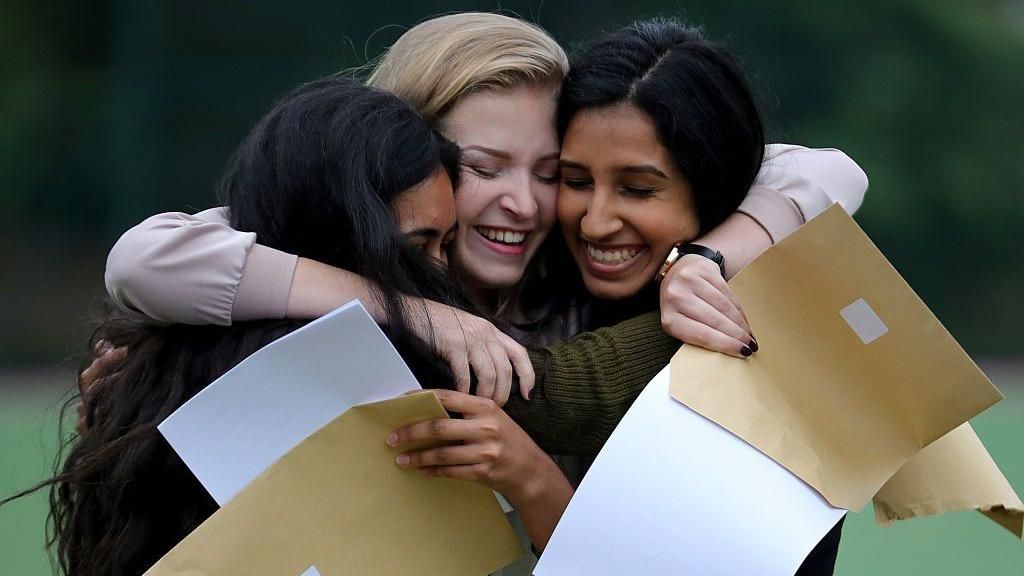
x=196 y=269
x=793 y=185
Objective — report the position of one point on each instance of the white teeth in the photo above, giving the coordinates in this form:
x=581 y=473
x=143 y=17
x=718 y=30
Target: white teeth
x=612 y=256
x=503 y=236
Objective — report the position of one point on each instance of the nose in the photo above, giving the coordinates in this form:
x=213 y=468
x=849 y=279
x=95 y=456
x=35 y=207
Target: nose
x=519 y=199
x=601 y=219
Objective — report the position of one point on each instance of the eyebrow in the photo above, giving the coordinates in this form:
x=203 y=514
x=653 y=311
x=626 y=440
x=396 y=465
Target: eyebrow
x=505 y=155
x=636 y=169
x=489 y=151
x=643 y=169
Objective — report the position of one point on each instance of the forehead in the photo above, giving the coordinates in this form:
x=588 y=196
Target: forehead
x=614 y=137
x=519 y=121
x=430 y=205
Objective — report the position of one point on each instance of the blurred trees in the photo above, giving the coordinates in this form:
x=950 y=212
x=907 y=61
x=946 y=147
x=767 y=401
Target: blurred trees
x=112 y=111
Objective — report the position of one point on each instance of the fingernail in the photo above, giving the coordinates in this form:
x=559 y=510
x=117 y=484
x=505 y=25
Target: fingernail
x=753 y=345
x=529 y=395
x=402 y=460
x=102 y=347
x=745 y=351
x=392 y=439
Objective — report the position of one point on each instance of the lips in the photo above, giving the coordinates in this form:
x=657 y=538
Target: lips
x=504 y=240
x=612 y=260
x=616 y=256
x=503 y=235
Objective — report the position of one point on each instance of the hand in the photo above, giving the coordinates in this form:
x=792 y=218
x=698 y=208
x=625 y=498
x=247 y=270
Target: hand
x=698 y=308
x=468 y=342
x=105 y=361
x=485 y=446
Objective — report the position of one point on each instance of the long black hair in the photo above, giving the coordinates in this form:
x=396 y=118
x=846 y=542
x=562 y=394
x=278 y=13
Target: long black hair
x=693 y=91
x=315 y=177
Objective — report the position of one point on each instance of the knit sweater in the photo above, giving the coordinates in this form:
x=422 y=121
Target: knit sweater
x=585 y=386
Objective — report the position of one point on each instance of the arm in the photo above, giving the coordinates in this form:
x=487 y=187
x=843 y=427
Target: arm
x=195 y=269
x=794 y=184
x=585 y=386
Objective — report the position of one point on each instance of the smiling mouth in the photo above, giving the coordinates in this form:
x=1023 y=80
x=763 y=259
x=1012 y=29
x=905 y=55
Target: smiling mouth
x=612 y=257
x=501 y=236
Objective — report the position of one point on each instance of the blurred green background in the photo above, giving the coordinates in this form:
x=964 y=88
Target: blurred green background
x=112 y=111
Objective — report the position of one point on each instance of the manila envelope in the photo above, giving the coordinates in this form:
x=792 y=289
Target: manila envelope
x=337 y=504
x=854 y=374
x=953 y=473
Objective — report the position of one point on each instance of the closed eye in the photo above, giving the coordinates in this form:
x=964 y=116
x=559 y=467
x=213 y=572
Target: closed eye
x=638 y=192
x=577 y=183
x=547 y=179
x=482 y=172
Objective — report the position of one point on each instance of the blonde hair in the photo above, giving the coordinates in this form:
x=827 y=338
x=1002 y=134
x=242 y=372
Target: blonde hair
x=437 y=62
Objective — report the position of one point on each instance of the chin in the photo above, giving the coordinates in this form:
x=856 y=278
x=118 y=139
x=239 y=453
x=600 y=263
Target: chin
x=497 y=279
x=609 y=291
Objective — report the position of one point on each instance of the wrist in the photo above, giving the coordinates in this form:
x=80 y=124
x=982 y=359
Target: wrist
x=686 y=248
x=540 y=486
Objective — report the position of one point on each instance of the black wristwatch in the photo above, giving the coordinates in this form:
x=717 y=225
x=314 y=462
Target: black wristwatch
x=681 y=249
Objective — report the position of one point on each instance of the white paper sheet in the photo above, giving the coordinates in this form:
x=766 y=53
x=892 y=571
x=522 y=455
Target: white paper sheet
x=674 y=493
x=248 y=418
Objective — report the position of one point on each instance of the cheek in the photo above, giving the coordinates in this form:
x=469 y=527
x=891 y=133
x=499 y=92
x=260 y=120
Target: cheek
x=571 y=206
x=472 y=199
x=547 y=209
x=662 y=228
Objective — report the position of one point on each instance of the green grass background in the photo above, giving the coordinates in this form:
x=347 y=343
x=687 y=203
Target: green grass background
x=963 y=543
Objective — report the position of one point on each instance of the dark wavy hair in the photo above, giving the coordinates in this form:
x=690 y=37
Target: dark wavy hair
x=695 y=94
x=316 y=177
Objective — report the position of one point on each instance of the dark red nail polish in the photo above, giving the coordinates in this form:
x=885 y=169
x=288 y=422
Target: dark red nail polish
x=753 y=345
x=745 y=351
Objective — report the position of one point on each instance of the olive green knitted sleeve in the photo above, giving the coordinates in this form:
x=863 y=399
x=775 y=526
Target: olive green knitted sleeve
x=585 y=386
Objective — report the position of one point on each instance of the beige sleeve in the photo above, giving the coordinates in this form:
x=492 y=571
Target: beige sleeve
x=796 y=184
x=195 y=269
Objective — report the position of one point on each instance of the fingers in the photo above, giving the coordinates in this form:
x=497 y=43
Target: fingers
x=523 y=366
x=715 y=309
x=438 y=429
x=699 y=308
x=723 y=288
x=466 y=404
x=483 y=367
x=470 y=472
x=459 y=362
x=697 y=333
x=457 y=455
x=503 y=372
x=100 y=367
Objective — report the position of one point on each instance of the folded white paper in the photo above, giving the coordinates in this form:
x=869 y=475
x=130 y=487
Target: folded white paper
x=259 y=410
x=674 y=493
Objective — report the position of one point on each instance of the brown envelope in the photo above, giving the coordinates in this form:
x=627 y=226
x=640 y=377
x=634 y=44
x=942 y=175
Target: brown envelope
x=338 y=502
x=953 y=473
x=854 y=376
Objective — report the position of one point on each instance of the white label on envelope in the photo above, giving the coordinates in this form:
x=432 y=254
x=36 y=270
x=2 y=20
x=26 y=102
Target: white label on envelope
x=311 y=571
x=863 y=320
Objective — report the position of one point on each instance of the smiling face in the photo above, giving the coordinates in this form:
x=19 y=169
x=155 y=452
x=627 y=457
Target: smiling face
x=622 y=202
x=426 y=215
x=506 y=198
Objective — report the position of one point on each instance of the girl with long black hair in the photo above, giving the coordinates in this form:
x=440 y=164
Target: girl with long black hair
x=330 y=172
